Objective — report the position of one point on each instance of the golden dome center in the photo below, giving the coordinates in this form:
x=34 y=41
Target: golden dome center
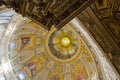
x=65 y=41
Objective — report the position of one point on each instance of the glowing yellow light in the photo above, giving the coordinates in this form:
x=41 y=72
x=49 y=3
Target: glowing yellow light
x=65 y=41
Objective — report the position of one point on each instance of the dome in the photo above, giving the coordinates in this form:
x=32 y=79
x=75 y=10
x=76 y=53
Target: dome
x=29 y=52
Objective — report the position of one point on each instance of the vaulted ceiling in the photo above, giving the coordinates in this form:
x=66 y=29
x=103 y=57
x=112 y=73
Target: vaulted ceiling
x=47 y=47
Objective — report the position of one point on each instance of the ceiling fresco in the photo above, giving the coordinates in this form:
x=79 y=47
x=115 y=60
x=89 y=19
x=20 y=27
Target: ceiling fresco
x=75 y=51
x=50 y=55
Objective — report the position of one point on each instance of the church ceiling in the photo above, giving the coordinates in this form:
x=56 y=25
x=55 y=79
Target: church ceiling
x=101 y=21
x=50 y=55
x=48 y=12
x=35 y=53
x=108 y=11
x=30 y=52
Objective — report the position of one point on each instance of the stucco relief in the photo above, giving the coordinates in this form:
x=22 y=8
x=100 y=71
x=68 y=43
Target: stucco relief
x=98 y=36
x=96 y=33
x=48 y=12
x=109 y=15
x=114 y=29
